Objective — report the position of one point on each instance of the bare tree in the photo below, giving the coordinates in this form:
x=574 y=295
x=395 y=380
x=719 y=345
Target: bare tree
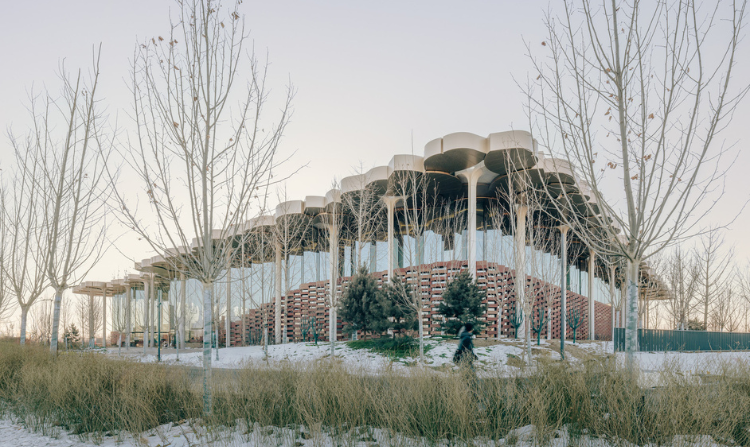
x=27 y=260
x=681 y=272
x=201 y=161
x=743 y=289
x=364 y=213
x=501 y=247
x=4 y=252
x=419 y=204
x=71 y=147
x=627 y=92
x=41 y=321
x=725 y=314
x=713 y=274
x=292 y=232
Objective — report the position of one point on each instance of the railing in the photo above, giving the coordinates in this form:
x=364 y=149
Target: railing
x=665 y=340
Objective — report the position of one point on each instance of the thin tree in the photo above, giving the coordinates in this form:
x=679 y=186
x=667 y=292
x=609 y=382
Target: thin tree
x=574 y=319
x=364 y=214
x=501 y=251
x=681 y=272
x=201 y=162
x=71 y=146
x=714 y=272
x=628 y=93
x=27 y=261
x=291 y=232
x=419 y=203
x=5 y=296
x=41 y=321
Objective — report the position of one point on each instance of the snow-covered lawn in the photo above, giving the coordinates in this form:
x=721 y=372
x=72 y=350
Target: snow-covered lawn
x=505 y=356
x=187 y=435
x=493 y=355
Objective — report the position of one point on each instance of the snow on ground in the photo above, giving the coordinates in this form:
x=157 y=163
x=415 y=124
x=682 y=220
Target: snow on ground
x=694 y=362
x=189 y=435
x=507 y=354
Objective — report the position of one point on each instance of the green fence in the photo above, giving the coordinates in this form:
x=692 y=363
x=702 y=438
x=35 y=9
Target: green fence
x=663 y=340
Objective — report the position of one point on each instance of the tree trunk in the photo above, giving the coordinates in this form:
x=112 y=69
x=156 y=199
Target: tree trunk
x=229 y=302
x=549 y=323
x=128 y=317
x=215 y=318
x=421 y=334
x=55 y=321
x=207 y=311
x=631 y=329
x=24 y=317
x=183 y=310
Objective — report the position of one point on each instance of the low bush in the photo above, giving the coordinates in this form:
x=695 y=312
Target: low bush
x=399 y=347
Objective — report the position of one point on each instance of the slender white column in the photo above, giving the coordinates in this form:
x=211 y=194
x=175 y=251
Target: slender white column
x=563 y=284
x=612 y=291
x=152 y=311
x=390 y=203
x=145 y=315
x=471 y=176
x=373 y=256
x=333 y=320
x=129 y=321
x=229 y=298
x=277 y=307
x=91 y=321
x=592 y=308
x=520 y=259
x=623 y=303
x=104 y=317
x=183 y=311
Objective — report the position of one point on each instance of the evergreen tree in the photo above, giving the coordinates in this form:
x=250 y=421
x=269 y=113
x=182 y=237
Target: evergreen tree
x=359 y=301
x=72 y=334
x=462 y=303
x=391 y=310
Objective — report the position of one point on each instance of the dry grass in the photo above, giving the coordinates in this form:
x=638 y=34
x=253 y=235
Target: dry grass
x=88 y=393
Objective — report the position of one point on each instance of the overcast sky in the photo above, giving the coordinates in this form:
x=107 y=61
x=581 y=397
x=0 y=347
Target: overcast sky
x=371 y=77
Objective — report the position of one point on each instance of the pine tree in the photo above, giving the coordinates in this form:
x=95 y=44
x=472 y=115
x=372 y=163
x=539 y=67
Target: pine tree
x=463 y=303
x=391 y=310
x=72 y=334
x=359 y=301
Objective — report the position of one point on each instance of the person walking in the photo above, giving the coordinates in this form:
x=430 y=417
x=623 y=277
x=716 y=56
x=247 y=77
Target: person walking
x=465 y=353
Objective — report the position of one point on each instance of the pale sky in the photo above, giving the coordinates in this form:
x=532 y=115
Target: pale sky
x=370 y=77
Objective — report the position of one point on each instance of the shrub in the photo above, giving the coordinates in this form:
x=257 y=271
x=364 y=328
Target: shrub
x=463 y=303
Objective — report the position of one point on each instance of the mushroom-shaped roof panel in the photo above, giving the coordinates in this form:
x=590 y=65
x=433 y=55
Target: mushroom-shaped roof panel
x=377 y=178
x=134 y=279
x=510 y=151
x=289 y=208
x=406 y=162
x=181 y=250
x=333 y=196
x=353 y=183
x=558 y=170
x=455 y=152
x=443 y=184
x=314 y=204
x=235 y=230
x=264 y=221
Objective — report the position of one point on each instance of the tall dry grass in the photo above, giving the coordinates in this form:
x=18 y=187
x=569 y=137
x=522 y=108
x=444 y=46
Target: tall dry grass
x=89 y=393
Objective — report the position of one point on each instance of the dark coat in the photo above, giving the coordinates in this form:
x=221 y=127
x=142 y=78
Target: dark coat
x=465 y=351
